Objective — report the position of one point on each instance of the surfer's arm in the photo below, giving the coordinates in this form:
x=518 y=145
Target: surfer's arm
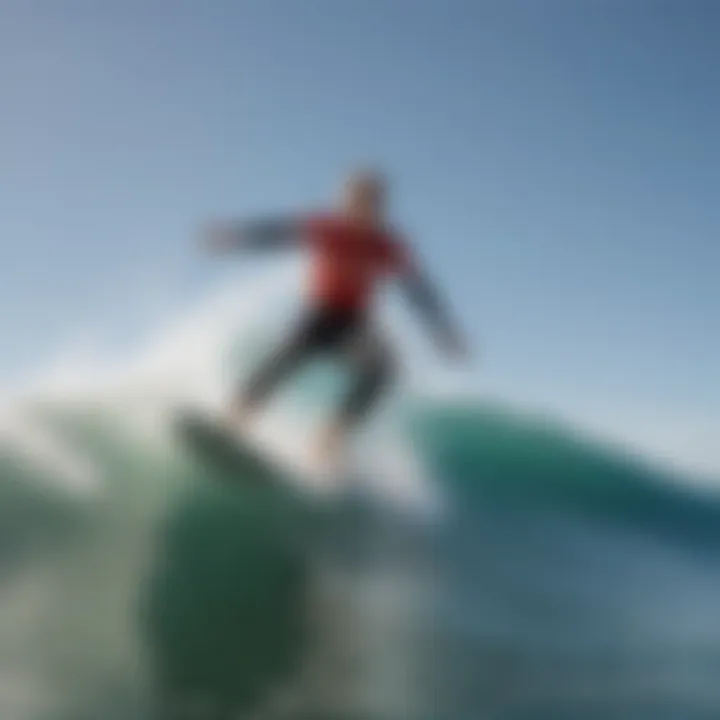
x=254 y=235
x=426 y=301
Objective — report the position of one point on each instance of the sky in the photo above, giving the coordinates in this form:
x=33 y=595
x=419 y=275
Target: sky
x=557 y=164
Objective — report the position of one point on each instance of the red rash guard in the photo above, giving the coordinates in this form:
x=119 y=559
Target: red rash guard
x=348 y=261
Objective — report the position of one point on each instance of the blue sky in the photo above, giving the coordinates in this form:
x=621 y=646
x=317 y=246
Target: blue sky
x=557 y=162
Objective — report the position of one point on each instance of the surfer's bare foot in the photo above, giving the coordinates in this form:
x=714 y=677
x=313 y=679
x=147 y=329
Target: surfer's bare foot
x=330 y=447
x=238 y=416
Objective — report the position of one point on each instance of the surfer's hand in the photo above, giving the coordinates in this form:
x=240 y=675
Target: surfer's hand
x=218 y=237
x=455 y=347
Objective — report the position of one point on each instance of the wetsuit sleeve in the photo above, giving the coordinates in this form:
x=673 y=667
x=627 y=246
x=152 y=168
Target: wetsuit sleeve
x=308 y=229
x=253 y=235
x=400 y=259
x=269 y=233
x=424 y=298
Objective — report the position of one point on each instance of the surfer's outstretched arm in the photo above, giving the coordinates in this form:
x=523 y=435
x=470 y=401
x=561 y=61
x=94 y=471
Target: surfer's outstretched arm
x=254 y=235
x=426 y=300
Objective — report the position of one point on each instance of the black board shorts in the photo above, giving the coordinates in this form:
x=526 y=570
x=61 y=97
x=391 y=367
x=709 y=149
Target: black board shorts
x=326 y=330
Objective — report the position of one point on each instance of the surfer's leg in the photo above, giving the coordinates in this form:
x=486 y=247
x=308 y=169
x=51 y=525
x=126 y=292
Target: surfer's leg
x=315 y=332
x=276 y=368
x=374 y=367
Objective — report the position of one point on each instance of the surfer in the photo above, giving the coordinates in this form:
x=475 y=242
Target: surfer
x=352 y=249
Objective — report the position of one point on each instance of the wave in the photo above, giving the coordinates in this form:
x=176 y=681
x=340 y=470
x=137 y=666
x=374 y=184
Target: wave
x=487 y=449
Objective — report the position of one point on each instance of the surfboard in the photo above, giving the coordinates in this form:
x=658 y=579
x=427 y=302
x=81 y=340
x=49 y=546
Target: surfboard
x=224 y=449
x=245 y=458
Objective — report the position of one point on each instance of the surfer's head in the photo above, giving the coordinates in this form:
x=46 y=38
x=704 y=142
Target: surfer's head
x=365 y=196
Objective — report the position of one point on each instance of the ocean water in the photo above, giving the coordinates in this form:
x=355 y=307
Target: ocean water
x=562 y=581
x=558 y=578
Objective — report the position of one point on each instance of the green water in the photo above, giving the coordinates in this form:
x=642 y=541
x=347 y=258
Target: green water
x=567 y=581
